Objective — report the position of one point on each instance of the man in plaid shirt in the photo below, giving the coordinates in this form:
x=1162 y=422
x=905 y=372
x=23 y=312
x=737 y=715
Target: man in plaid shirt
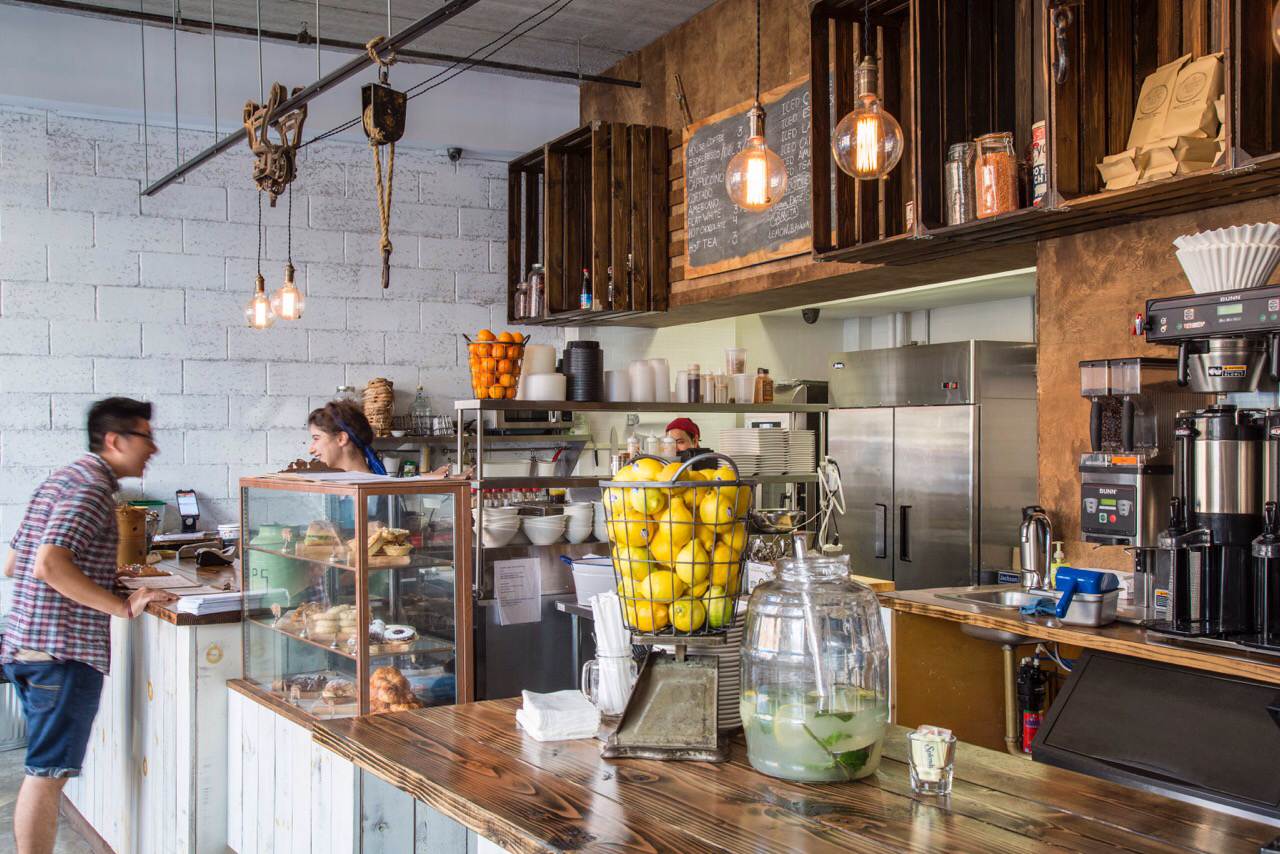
x=57 y=643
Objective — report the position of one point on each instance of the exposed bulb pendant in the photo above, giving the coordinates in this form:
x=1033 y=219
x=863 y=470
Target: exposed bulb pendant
x=1275 y=27
x=755 y=177
x=287 y=302
x=258 y=309
x=867 y=143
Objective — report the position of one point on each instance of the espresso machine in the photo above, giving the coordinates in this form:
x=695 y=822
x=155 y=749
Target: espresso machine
x=1228 y=344
x=1266 y=553
x=1126 y=476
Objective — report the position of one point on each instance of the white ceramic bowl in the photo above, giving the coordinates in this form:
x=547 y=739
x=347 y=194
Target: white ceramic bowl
x=496 y=538
x=578 y=535
x=598 y=522
x=545 y=523
x=496 y=512
x=543 y=537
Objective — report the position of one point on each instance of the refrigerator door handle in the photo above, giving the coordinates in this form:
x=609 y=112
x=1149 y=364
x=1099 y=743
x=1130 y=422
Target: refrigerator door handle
x=882 y=522
x=904 y=533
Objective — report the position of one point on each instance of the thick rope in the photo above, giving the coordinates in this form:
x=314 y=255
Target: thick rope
x=372 y=47
x=384 y=202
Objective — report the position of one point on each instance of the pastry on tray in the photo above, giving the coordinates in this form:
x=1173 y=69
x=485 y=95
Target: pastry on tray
x=305 y=466
x=338 y=691
x=389 y=691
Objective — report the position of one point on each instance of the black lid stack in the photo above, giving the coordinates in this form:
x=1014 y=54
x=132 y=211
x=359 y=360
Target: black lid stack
x=584 y=370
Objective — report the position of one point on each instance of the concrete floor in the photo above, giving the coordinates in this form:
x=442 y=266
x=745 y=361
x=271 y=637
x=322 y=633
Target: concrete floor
x=69 y=842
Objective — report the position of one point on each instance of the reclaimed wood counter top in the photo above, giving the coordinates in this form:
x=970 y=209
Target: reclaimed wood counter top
x=1122 y=638
x=212 y=577
x=473 y=764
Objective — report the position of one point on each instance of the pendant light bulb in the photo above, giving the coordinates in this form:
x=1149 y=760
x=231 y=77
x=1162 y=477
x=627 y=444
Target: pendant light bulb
x=867 y=143
x=1275 y=27
x=755 y=177
x=287 y=302
x=258 y=309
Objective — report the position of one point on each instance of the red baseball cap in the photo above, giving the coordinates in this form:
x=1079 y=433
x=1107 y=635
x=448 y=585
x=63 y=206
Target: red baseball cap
x=687 y=426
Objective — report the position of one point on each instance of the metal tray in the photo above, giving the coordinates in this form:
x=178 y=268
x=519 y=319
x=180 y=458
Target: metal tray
x=1087 y=609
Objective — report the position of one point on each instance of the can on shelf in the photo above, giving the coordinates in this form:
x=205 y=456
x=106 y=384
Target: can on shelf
x=1038 y=162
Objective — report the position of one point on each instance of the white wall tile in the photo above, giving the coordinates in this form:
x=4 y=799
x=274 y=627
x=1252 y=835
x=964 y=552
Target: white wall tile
x=366 y=248
x=123 y=303
x=454 y=190
x=46 y=227
x=242 y=206
x=187 y=201
x=418 y=348
x=93 y=193
x=281 y=343
x=452 y=253
x=93 y=265
x=294 y=378
x=143 y=233
x=86 y=128
x=95 y=338
x=163 y=479
x=255 y=412
x=481 y=288
x=179 y=341
x=20 y=481
x=50 y=374
x=308 y=244
x=242 y=447
x=285 y=445
x=29 y=337
x=48 y=154
x=137 y=376
x=175 y=270
x=40 y=447
x=204 y=411
x=25 y=262
x=455 y=318
x=382 y=315
x=240 y=377
x=484 y=223
x=41 y=299
x=24 y=411
x=335 y=346
x=69 y=411
x=23 y=188
x=230 y=239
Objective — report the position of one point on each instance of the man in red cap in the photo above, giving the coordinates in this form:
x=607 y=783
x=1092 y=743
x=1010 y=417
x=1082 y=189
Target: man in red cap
x=685 y=432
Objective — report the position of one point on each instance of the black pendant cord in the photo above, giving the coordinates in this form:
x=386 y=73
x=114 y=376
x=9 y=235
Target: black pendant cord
x=757 y=51
x=259 y=232
x=289 y=231
x=866 y=28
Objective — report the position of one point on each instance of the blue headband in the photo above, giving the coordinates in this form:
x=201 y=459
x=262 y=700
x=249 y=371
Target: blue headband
x=375 y=464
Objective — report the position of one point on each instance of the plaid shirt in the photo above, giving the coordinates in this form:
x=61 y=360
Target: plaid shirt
x=75 y=509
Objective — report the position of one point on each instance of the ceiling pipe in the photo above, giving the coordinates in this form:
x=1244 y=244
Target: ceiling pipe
x=411 y=56
x=333 y=78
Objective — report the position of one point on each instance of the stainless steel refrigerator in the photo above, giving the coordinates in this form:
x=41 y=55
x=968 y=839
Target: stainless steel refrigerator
x=937 y=452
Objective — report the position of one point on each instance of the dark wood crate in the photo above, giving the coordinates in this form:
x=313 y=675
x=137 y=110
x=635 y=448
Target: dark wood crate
x=590 y=200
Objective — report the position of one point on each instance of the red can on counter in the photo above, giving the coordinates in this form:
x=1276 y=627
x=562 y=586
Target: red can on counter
x=1038 y=164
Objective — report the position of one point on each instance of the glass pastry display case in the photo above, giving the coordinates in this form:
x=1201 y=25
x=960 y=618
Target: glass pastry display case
x=351 y=601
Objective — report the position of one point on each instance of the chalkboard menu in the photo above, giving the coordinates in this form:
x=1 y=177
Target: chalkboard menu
x=719 y=235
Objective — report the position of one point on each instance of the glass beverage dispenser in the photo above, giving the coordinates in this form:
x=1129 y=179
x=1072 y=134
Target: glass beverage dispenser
x=815 y=672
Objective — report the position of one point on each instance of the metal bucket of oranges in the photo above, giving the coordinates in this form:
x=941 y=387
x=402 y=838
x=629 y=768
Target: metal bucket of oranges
x=495 y=363
x=678 y=539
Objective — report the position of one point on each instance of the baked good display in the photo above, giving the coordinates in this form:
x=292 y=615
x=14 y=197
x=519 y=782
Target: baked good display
x=389 y=691
x=307 y=687
x=386 y=546
x=321 y=541
x=338 y=691
x=305 y=466
x=338 y=622
x=379 y=395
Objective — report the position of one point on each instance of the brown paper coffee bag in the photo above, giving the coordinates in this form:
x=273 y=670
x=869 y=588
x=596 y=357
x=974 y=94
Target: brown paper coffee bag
x=1153 y=104
x=1192 y=111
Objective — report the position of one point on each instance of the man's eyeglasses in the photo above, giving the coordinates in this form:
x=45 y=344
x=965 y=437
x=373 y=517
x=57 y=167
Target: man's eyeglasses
x=148 y=436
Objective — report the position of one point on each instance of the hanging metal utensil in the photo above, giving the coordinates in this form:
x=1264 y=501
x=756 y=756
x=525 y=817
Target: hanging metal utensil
x=383 y=112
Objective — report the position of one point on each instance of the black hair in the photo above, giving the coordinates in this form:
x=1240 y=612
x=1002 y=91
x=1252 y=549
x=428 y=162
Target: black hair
x=334 y=415
x=114 y=415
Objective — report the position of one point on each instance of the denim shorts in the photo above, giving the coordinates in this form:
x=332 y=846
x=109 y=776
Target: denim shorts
x=60 y=699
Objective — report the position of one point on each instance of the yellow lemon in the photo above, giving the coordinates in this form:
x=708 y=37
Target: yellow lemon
x=735 y=538
x=676 y=523
x=722 y=473
x=660 y=546
x=699 y=590
x=647 y=500
x=627 y=587
x=645 y=468
x=692 y=563
x=632 y=561
x=705 y=534
x=717 y=606
x=687 y=494
x=722 y=563
x=615 y=499
x=720 y=508
x=648 y=616
x=631 y=528
x=660 y=586
x=623 y=475
x=688 y=615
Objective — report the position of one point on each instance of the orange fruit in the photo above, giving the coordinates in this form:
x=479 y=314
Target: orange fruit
x=514 y=351
x=517 y=337
x=505 y=337
x=489 y=365
x=497 y=392
x=504 y=366
x=486 y=378
x=484 y=335
x=511 y=392
x=506 y=380
x=484 y=350
x=498 y=351
x=473 y=361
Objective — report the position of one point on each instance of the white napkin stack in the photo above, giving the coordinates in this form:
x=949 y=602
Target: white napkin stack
x=559 y=716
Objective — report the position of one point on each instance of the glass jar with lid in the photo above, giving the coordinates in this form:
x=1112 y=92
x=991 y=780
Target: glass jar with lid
x=520 y=307
x=958 y=181
x=995 y=175
x=537 y=291
x=815 y=672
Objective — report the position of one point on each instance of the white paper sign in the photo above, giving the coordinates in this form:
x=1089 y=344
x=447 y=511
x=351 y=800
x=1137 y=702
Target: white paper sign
x=518 y=585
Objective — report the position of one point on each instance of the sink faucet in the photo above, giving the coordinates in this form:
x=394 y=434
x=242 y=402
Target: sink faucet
x=1036 y=538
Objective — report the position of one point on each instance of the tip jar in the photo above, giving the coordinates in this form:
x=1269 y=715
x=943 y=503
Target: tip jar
x=815 y=673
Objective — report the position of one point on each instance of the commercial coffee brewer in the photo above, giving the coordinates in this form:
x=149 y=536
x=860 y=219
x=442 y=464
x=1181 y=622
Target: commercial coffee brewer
x=1126 y=476
x=1266 y=553
x=1229 y=346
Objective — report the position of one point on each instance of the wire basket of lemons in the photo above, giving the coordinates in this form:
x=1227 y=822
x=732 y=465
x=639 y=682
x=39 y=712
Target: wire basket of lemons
x=678 y=538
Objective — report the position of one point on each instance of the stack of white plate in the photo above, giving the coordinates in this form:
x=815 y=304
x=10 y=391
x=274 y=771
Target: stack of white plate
x=801 y=452
x=767 y=445
x=1227 y=259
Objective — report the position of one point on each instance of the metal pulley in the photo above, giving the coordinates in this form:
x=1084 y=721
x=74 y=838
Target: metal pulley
x=382 y=113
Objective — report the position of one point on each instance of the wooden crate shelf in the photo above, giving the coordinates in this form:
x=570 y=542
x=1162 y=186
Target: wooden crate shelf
x=975 y=71
x=592 y=199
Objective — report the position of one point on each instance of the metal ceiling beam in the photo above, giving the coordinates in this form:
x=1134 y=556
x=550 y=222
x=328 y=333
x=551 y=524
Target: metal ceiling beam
x=333 y=78
x=197 y=26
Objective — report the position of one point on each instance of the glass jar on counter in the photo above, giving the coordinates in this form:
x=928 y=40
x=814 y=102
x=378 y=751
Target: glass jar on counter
x=815 y=673
x=995 y=175
x=957 y=175
x=537 y=291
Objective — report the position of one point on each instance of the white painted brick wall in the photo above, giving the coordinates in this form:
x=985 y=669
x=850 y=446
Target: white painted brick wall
x=104 y=292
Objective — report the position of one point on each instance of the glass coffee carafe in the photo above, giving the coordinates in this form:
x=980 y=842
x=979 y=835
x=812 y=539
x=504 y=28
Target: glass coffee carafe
x=815 y=672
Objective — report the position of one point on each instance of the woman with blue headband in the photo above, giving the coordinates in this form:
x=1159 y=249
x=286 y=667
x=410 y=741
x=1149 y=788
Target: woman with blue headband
x=342 y=438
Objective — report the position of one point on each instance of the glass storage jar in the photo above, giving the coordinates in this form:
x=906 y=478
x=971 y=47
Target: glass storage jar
x=521 y=308
x=815 y=673
x=995 y=175
x=537 y=291
x=958 y=181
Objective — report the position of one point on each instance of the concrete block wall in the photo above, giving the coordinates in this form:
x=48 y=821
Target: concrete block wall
x=104 y=292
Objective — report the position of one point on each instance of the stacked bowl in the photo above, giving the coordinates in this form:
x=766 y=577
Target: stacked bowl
x=500 y=526
x=544 y=530
x=1227 y=259
x=580 y=515
x=584 y=370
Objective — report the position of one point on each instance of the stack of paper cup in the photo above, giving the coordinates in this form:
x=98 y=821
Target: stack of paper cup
x=617 y=386
x=538 y=359
x=661 y=380
x=682 y=387
x=641 y=382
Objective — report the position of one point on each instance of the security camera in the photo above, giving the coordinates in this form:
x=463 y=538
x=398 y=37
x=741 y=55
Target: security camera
x=455 y=154
x=810 y=315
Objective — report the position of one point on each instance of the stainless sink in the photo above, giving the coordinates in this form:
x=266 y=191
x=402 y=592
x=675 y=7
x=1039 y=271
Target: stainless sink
x=1005 y=597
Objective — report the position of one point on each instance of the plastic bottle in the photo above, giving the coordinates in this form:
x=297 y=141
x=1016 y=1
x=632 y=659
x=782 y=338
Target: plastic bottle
x=633 y=446
x=584 y=299
x=1059 y=559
